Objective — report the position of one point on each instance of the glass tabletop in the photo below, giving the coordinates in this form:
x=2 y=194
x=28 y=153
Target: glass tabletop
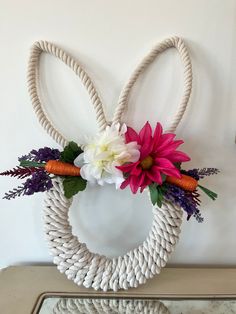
x=65 y=305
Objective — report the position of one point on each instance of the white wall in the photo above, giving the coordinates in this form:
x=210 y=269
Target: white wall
x=109 y=37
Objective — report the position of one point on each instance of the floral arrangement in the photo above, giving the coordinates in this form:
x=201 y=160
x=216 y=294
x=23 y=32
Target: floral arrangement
x=119 y=156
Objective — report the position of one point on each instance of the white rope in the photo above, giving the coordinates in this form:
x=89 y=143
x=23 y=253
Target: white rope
x=74 y=258
x=178 y=43
x=93 y=270
x=108 y=306
x=33 y=87
x=33 y=84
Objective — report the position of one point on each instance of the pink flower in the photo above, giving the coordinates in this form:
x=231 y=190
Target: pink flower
x=157 y=156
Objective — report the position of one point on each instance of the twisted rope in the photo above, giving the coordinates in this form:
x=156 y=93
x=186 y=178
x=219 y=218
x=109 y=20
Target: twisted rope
x=109 y=306
x=33 y=84
x=72 y=257
x=93 y=270
x=178 y=43
x=33 y=87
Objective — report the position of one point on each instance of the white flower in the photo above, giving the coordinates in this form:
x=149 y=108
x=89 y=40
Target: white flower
x=103 y=153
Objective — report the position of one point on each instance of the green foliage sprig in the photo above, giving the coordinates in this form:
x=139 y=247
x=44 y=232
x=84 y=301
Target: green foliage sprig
x=72 y=185
x=70 y=152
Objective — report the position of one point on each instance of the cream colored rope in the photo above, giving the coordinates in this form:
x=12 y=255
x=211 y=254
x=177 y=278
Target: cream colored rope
x=99 y=272
x=33 y=84
x=73 y=257
x=33 y=87
x=178 y=43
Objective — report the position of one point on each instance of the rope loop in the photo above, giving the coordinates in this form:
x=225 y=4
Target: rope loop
x=33 y=87
x=178 y=43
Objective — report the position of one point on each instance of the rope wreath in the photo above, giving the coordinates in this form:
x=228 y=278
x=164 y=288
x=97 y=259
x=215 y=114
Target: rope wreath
x=70 y=255
x=101 y=306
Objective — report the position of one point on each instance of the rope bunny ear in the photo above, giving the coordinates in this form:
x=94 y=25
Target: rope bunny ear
x=33 y=87
x=178 y=43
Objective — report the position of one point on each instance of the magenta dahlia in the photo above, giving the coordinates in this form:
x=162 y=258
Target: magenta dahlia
x=158 y=156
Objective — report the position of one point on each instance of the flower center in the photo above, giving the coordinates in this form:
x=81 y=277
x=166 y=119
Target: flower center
x=147 y=163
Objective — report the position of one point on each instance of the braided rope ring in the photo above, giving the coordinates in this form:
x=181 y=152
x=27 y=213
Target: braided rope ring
x=72 y=257
x=99 y=272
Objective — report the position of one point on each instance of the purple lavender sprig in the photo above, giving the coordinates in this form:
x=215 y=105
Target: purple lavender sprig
x=41 y=155
x=19 y=172
x=39 y=182
x=20 y=190
x=185 y=199
x=32 y=165
x=192 y=173
x=198 y=174
x=26 y=157
x=204 y=172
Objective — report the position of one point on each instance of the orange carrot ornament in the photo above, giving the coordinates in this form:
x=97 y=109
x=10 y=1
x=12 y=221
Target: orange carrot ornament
x=56 y=167
x=62 y=168
x=190 y=184
x=185 y=182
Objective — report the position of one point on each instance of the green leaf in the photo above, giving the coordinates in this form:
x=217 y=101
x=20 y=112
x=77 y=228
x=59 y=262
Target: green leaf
x=163 y=188
x=73 y=185
x=160 y=197
x=157 y=194
x=153 y=193
x=177 y=165
x=163 y=176
x=159 y=203
x=70 y=152
x=28 y=163
x=208 y=192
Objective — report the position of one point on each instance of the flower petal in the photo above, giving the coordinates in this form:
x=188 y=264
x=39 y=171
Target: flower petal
x=123 y=129
x=157 y=135
x=165 y=166
x=147 y=181
x=170 y=148
x=178 y=156
x=136 y=171
x=127 y=167
x=163 y=163
x=146 y=133
x=125 y=183
x=136 y=182
x=155 y=175
x=131 y=135
x=118 y=181
x=141 y=179
x=165 y=140
x=171 y=172
x=89 y=173
x=79 y=161
x=146 y=149
x=133 y=150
